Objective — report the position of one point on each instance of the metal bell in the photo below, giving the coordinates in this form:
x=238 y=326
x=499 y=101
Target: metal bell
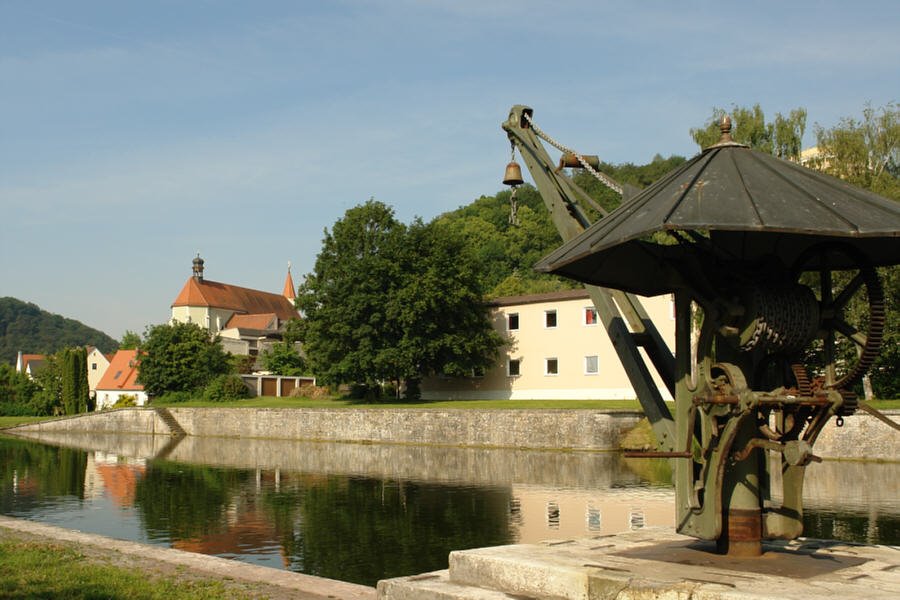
x=513 y=175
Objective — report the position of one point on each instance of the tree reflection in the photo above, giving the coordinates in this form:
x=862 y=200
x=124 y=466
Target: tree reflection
x=36 y=472
x=182 y=501
x=363 y=530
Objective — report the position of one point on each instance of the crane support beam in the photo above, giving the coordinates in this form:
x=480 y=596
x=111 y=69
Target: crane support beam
x=627 y=323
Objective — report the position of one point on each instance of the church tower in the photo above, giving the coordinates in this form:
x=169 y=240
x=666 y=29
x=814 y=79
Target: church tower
x=290 y=291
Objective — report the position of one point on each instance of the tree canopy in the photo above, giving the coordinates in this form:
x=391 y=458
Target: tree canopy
x=180 y=357
x=387 y=302
x=782 y=137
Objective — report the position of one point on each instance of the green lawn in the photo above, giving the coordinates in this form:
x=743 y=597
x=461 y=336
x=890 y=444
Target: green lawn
x=272 y=402
x=13 y=421
x=39 y=569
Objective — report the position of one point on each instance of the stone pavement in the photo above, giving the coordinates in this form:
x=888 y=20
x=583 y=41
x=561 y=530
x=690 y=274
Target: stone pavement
x=656 y=563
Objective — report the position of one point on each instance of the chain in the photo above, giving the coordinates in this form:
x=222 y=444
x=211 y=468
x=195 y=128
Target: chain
x=607 y=181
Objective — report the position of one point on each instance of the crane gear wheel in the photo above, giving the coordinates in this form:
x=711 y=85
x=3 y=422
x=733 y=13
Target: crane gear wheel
x=831 y=309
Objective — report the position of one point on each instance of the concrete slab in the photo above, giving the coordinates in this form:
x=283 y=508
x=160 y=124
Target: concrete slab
x=661 y=564
x=435 y=586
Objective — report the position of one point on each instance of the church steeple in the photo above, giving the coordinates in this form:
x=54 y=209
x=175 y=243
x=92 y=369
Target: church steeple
x=198 y=268
x=289 y=289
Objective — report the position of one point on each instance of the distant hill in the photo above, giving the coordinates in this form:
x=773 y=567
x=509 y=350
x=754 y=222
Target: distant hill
x=24 y=326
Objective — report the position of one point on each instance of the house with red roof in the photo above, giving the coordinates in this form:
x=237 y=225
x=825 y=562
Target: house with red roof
x=246 y=320
x=29 y=364
x=120 y=379
x=97 y=363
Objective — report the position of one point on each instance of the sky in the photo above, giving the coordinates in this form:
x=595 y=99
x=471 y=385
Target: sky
x=135 y=134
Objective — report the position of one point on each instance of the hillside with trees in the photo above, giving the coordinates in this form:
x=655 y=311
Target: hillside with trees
x=507 y=252
x=24 y=326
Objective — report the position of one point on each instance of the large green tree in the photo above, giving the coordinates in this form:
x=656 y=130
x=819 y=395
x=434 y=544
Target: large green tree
x=387 y=302
x=179 y=357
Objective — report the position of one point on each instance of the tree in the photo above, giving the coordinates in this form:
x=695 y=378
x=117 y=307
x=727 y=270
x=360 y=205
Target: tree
x=440 y=309
x=130 y=341
x=74 y=392
x=782 y=138
x=17 y=392
x=388 y=302
x=179 y=357
x=866 y=152
x=282 y=358
x=345 y=329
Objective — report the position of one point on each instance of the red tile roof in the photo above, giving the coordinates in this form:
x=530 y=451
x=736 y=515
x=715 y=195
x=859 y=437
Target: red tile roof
x=202 y=292
x=122 y=373
x=265 y=321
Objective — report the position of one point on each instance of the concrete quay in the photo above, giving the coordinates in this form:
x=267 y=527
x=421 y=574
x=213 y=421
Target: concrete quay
x=862 y=436
x=656 y=563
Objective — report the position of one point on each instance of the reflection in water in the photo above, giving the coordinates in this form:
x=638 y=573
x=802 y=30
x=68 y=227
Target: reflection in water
x=366 y=512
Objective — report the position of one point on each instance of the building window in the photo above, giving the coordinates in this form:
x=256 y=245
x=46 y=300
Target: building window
x=552 y=367
x=512 y=321
x=553 y=515
x=93 y=366
x=549 y=319
x=590 y=316
x=591 y=365
x=512 y=367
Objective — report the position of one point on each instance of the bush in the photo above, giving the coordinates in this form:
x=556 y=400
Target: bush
x=126 y=401
x=226 y=387
x=174 y=397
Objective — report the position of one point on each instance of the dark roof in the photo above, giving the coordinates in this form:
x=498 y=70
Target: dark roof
x=751 y=205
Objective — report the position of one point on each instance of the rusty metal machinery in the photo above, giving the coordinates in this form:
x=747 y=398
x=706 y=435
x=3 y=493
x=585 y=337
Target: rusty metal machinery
x=763 y=257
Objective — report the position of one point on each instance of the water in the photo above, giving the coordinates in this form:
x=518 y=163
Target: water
x=361 y=513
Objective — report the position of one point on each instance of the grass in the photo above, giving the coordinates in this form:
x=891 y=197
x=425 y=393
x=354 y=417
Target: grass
x=39 y=569
x=272 y=402
x=13 y=421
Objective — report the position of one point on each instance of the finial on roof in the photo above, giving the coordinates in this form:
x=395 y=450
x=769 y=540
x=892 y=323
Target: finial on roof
x=725 y=128
x=726 y=139
x=198 y=268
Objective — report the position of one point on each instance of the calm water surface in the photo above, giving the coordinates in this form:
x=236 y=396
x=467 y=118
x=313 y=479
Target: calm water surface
x=361 y=513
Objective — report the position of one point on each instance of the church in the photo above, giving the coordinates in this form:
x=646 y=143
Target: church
x=246 y=320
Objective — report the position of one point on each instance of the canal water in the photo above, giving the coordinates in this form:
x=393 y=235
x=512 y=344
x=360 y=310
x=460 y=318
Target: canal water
x=363 y=512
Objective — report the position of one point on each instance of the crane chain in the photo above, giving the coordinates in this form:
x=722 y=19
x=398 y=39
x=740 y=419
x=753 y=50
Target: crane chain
x=604 y=179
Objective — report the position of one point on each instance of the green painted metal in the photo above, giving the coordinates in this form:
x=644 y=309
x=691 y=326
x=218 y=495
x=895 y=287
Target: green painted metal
x=617 y=311
x=738 y=237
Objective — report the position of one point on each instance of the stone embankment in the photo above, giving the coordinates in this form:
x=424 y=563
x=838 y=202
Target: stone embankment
x=861 y=437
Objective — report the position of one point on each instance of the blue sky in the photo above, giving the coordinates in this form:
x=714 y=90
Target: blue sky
x=134 y=134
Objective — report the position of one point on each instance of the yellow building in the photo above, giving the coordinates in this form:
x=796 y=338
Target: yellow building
x=557 y=349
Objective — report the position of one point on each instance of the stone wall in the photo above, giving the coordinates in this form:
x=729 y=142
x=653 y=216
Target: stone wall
x=547 y=429
x=862 y=435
